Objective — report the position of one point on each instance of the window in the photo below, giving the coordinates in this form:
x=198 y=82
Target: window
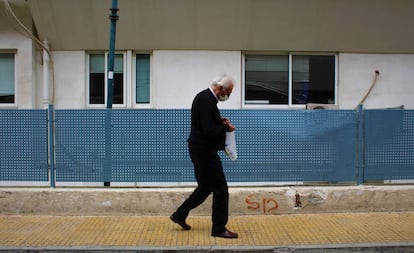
x=7 y=76
x=142 y=78
x=98 y=79
x=266 y=79
x=289 y=79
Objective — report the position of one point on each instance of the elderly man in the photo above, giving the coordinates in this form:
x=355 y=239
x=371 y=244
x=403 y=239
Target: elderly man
x=207 y=137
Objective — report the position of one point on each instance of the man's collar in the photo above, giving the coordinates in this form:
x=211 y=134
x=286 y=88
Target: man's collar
x=214 y=94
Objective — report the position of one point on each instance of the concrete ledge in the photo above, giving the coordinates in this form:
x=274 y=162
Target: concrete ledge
x=243 y=200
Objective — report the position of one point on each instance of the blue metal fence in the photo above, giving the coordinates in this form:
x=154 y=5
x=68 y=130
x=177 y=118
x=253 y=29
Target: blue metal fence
x=389 y=145
x=146 y=146
x=80 y=145
x=23 y=145
x=150 y=145
x=300 y=145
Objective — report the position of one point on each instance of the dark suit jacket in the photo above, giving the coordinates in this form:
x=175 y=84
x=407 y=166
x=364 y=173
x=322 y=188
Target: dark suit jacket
x=207 y=128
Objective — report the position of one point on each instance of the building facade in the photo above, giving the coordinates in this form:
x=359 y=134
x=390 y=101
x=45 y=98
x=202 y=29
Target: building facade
x=282 y=54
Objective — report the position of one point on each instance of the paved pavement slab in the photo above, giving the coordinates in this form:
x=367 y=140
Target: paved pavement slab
x=259 y=233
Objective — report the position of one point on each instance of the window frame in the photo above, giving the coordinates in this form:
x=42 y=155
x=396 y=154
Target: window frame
x=14 y=104
x=290 y=105
x=125 y=80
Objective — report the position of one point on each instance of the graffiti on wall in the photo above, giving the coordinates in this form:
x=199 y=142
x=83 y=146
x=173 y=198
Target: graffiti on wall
x=261 y=204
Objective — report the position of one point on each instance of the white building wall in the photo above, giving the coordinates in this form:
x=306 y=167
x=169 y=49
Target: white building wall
x=69 y=80
x=13 y=41
x=394 y=86
x=179 y=75
x=25 y=97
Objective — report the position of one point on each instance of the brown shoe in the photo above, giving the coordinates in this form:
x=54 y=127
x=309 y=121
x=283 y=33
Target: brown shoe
x=182 y=223
x=226 y=234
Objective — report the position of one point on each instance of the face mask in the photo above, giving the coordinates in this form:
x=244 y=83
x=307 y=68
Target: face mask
x=223 y=98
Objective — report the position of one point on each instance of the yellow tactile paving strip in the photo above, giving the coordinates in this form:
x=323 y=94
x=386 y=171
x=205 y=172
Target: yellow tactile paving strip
x=154 y=231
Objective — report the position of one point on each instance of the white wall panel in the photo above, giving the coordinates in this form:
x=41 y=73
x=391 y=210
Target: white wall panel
x=179 y=75
x=12 y=41
x=70 y=79
x=394 y=86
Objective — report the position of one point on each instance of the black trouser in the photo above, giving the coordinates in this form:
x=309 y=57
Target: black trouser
x=210 y=179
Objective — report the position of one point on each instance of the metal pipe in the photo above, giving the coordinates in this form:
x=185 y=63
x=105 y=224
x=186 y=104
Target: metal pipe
x=51 y=126
x=46 y=74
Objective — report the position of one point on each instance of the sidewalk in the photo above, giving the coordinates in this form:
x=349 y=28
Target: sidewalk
x=258 y=233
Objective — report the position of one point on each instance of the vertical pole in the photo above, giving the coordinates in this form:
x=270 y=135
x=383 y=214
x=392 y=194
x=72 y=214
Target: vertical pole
x=51 y=127
x=107 y=173
x=113 y=17
x=361 y=144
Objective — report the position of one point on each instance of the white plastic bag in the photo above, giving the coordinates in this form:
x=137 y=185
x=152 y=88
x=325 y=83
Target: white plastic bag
x=230 y=145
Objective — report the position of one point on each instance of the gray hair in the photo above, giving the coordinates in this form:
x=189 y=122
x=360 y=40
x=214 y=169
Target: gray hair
x=223 y=80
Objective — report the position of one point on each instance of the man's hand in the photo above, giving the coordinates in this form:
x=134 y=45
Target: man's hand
x=227 y=122
x=231 y=127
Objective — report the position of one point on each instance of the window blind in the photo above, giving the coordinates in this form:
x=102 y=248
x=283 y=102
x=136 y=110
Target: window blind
x=6 y=74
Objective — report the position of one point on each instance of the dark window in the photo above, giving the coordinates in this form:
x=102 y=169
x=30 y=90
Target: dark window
x=97 y=79
x=313 y=79
x=267 y=79
x=118 y=87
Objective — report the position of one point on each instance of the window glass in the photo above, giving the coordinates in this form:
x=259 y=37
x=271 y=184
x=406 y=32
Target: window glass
x=7 y=78
x=266 y=79
x=271 y=79
x=97 y=79
x=118 y=83
x=142 y=78
x=313 y=79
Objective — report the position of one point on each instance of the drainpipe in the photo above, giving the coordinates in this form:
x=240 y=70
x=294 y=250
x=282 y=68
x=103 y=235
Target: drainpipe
x=50 y=115
x=46 y=74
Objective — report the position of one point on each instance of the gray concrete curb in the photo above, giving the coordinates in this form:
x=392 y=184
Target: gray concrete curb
x=243 y=200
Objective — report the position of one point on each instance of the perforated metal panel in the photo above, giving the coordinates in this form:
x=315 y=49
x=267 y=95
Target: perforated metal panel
x=23 y=145
x=389 y=144
x=150 y=146
x=145 y=146
x=80 y=145
x=293 y=145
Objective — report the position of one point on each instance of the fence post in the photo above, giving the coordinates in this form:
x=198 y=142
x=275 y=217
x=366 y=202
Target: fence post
x=361 y=145
x=107 y=170
x=51 y=128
